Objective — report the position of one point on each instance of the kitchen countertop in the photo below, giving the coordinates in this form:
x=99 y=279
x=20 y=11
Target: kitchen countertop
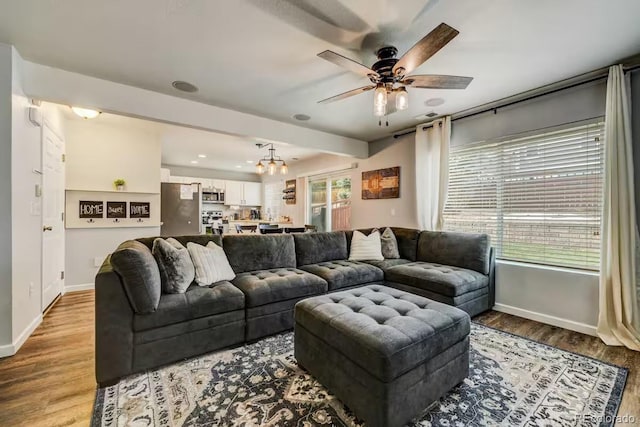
x=256 y=221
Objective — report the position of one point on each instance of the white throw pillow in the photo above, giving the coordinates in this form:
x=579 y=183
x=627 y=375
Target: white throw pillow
x=366 y=248
x=211 y=263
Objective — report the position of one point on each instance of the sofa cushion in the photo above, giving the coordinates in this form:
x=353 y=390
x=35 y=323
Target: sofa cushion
x=442 y=279
x=389 y=244
x=385 y=331
x=343 y=273
x=211 y=263
x=197 y=302
x=313 y=248
x=366 y=247
x=138 y=269
x=174 y=263
x=465 y=250
x=259 y=252
x=200 y=239
x=407 y=240
x=278 y=284
x=387 y=263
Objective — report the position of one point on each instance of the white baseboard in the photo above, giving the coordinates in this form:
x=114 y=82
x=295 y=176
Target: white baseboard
x=11 y=349
x=80 y=287
x=548 y=319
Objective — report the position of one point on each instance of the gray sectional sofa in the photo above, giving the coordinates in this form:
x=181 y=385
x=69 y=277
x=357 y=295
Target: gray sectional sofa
x=273 y=273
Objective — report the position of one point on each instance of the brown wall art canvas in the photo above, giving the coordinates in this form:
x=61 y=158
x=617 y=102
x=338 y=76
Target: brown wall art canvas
x=381 y=184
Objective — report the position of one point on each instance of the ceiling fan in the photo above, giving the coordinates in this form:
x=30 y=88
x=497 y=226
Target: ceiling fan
x=389 y=75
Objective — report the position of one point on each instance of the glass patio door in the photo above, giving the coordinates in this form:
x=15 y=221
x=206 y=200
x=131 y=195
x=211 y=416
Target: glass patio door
x=330 y=203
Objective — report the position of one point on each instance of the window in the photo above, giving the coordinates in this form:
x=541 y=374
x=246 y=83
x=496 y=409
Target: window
x=538 y=196
x=330 y=203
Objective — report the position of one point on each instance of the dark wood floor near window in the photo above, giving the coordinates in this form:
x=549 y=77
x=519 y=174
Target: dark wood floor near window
x=50 y=381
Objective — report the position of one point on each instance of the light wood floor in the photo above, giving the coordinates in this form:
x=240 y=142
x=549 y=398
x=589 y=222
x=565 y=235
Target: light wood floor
x=50 y=382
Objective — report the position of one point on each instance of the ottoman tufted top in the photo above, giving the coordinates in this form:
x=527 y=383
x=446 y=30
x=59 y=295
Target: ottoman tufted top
x=385 y=331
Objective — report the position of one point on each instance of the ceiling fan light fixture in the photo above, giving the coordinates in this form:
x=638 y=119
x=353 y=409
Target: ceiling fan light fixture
x=284 y=169
x=379 y=110
x=380 y=95
x=259 y=168
x=402 y=98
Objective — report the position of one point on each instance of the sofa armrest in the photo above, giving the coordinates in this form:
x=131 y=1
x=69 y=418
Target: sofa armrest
x=464 y=250
x=492 y=277
x=113 y=326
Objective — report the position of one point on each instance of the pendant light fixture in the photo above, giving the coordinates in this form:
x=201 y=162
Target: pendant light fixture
x=272 y=164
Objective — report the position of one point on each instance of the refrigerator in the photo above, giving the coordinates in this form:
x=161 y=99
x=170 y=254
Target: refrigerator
x=180 y=209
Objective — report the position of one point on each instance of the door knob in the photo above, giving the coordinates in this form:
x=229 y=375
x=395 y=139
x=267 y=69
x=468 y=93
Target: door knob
x=47 y=228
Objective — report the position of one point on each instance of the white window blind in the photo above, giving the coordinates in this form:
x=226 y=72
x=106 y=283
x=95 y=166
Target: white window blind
x=538 y=196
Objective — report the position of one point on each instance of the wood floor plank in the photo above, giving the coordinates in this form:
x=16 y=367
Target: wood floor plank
x=50 y=382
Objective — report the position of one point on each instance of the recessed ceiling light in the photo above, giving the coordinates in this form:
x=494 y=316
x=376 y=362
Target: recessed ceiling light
x=294 y=158
x=85 y=113
x=434 y=102
x=202 y=156
x=238 y=166
x=194 y=162
x=250 y=161
x=184 y=86
x=301 y=117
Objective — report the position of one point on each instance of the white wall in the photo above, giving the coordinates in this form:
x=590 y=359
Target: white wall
x=86 y=249
x=561 y=297
x=97 y=154
x=20 y=304
x=5 y=197
x=386 y=153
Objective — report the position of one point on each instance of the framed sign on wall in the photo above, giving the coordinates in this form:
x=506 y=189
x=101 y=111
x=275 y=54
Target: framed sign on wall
x=139 y=210
x=116 y=209
x=381 y=184
x=91 y=209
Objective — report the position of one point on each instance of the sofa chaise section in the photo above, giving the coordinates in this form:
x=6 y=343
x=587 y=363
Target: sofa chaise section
x=265 y=267
x=326 y=255
x=201 y=320
x=453 y=268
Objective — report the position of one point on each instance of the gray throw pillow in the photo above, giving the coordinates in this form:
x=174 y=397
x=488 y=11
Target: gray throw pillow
x=176 y=268
x=138 y=269
x=389 y=244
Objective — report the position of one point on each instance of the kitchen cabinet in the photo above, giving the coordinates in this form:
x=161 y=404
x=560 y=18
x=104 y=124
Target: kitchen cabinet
x=165 y=175
x=238 y=193
x=234 y=193
x=253 y=193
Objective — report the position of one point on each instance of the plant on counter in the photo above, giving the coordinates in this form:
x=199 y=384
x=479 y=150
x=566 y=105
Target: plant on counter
x=119 y=184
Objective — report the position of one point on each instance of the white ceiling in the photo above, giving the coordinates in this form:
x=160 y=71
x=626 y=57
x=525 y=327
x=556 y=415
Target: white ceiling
x=181 y=145
x=259 y=56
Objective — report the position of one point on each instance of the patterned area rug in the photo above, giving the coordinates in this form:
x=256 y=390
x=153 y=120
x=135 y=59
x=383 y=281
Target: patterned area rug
x=513 y=381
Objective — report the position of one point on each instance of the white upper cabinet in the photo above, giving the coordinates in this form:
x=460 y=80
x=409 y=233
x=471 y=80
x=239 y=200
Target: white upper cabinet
x=253 y=194
x=234 y=193
x=165 y=175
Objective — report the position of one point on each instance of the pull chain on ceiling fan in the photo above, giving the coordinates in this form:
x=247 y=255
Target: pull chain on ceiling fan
x=389 y=75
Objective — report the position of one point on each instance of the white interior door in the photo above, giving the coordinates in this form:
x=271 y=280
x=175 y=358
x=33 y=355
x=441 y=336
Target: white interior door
x=52 y=216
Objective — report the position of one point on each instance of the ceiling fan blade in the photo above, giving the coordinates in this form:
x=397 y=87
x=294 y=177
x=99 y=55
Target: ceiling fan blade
x=347 y=63
x=425 y=49
x=434 y=81
x=347 y=94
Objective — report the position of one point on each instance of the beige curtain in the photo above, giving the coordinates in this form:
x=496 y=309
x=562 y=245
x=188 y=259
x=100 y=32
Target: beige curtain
x=619 y=317
x=432 y=173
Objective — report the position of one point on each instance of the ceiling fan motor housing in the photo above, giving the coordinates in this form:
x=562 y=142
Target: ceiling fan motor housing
x=384 y=67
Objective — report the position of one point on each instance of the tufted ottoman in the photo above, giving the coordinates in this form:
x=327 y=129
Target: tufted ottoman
x=385 y=353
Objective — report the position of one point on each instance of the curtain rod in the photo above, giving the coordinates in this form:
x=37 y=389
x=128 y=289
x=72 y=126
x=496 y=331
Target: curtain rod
x=529 y=95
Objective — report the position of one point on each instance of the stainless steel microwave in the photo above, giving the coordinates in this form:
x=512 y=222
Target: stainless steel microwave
x=213 y=196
